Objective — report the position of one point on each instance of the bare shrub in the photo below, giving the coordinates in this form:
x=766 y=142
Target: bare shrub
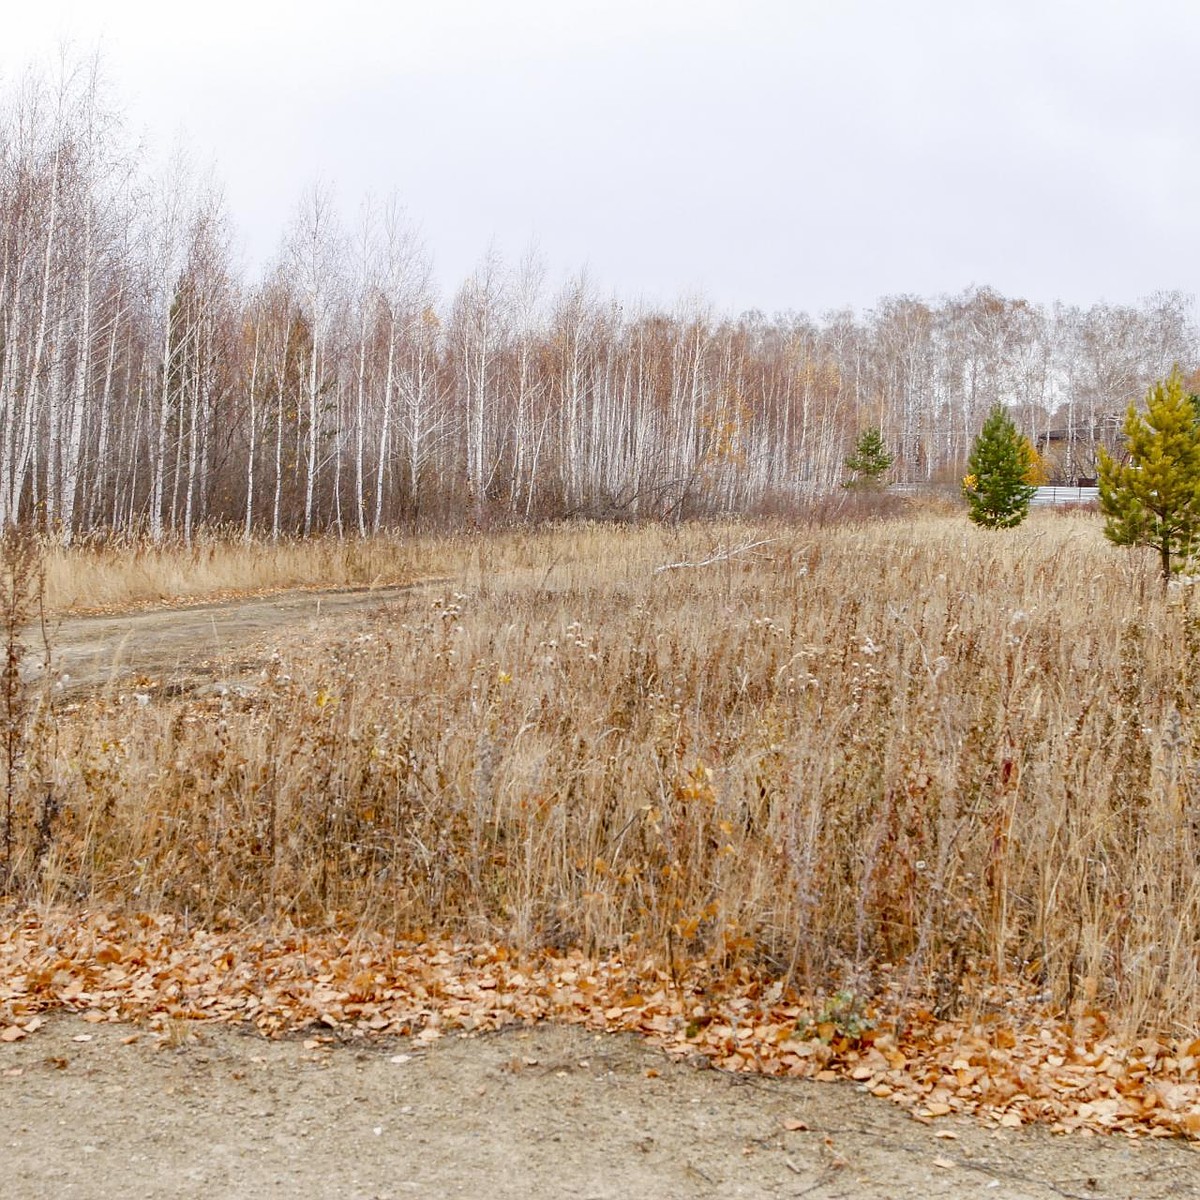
x=853 y=505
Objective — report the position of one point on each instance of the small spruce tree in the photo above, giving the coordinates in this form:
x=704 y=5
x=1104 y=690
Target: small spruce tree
x=1153 y=498
x=998 y=486
x=870 y=462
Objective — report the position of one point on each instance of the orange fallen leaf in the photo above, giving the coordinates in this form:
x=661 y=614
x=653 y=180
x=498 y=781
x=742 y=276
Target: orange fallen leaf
x=158 y=969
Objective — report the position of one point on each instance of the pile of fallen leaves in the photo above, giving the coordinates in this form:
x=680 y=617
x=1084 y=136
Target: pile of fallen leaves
x=1013 y=1067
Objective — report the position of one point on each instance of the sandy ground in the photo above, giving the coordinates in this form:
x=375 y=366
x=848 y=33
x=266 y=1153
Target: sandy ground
x=547 y=1112
x=179 y=649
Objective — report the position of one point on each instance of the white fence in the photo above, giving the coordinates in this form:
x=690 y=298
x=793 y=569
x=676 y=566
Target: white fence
x=1066 y=495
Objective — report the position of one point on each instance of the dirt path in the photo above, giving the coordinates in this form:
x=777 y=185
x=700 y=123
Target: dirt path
x=547 y=1112
x=179 y=648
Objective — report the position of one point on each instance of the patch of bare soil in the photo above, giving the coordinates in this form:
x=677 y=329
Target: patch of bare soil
x=178 y=649
x=108 y=1111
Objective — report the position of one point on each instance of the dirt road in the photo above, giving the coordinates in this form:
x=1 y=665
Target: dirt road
x=547 y=1112
x=180 y=648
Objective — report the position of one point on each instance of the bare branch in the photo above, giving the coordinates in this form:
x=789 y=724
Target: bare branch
x=720 y=555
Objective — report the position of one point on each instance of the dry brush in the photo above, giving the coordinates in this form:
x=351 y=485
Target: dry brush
x=905 y=751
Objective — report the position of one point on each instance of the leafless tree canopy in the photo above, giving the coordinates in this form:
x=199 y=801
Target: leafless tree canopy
x=146 y=386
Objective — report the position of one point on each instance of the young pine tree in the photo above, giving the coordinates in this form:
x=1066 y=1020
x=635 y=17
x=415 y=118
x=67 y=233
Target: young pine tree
x=870 y=462
x=1001 y=467
x=1153 y=498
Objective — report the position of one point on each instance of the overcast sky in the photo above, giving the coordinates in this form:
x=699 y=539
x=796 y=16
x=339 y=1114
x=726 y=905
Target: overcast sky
x=767 y=154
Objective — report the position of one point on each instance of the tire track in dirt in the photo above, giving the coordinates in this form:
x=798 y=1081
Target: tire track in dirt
x=180 y=648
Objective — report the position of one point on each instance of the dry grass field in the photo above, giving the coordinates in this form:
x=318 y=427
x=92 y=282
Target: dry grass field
x=123 y=575
x=903 y=752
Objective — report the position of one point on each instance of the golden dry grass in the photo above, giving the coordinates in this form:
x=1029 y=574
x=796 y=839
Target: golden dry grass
x=118 y=576
x=965 y=754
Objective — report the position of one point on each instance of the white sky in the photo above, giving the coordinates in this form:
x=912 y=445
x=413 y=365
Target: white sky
x=765 y=153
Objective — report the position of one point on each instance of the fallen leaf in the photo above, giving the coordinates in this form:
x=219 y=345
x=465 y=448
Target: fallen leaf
x=1009 y=1070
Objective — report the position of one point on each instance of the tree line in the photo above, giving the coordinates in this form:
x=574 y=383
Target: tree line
x=148 y=384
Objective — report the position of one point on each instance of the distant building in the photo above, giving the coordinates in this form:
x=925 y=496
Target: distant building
x=1071 y=453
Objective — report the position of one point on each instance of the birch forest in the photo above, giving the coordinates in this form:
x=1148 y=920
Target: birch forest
x=151 y=386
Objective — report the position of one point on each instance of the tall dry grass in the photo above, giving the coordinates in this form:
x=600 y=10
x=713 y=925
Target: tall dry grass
x=122 y=575
x=969 y=755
